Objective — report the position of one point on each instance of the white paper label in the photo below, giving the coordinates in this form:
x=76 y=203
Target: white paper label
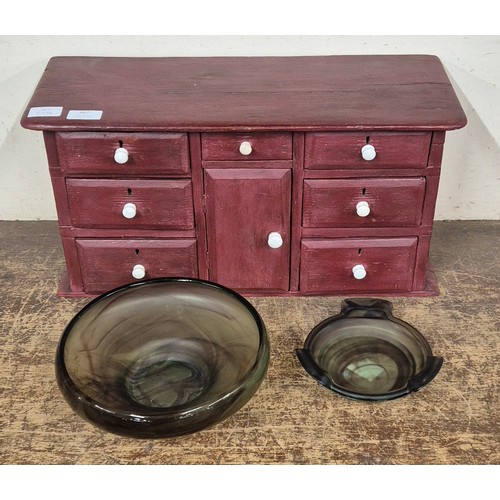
x=84 y=114
x=45 y=111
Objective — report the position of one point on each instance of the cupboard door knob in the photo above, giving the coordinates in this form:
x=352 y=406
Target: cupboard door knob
x=274 y=240
x=139 y=271
x=363 y=209
x=121 y=156
x=359 y=271
x=245 y=148
x=368 y=152
x=129 y=210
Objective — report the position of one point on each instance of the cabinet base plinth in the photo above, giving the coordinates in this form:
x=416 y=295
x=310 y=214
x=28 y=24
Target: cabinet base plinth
x=431 y=289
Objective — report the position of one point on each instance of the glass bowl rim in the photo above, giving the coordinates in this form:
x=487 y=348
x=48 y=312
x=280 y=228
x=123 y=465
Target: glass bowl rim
x=152 y=414
x=416 y=380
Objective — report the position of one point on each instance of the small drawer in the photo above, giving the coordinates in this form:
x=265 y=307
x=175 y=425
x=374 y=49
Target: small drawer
x=363 y=202
x=137 y=204
x=106 y=264
x=252 y=146
x=367 y=149
x=123 y=154
x=357 y=265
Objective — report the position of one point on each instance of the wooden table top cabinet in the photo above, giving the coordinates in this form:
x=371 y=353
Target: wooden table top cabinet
x=270 y=175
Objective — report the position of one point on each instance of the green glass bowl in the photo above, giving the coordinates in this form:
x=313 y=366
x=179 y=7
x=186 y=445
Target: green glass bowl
x=162 y=357
x=365 y=353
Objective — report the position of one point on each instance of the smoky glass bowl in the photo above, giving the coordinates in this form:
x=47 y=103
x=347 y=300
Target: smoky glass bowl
x=365 y=353
x=162 y=358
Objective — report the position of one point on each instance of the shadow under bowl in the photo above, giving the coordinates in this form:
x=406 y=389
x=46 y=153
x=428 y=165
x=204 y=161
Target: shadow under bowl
x=365 y=353
x=162 y=358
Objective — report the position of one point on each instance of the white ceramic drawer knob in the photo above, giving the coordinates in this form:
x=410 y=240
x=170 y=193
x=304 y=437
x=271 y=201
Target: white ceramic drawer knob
x=368 y=152
x=363 y=209
x=139 y=271
x=274 y=240
x=121 y=156
x=129 y=210
x=359 y=271
x=245 y=148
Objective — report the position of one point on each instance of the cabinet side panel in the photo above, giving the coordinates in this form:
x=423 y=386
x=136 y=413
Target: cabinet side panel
x=73 y=281
x=434 y=170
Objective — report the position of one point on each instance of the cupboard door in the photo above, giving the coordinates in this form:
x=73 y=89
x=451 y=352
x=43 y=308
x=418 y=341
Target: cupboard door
x=248 y=227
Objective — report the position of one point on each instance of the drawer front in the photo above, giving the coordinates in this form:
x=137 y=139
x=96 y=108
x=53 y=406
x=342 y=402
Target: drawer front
x=138 y=204
x=106 y=264
x=329 y=265
x=363 y=202
x=252 y=146
x=86 y=153
x=344 y=150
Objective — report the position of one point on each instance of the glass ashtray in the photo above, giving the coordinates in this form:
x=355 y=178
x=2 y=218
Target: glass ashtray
x=365 y=353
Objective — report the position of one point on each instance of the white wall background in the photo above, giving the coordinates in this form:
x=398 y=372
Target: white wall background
x=470 y=182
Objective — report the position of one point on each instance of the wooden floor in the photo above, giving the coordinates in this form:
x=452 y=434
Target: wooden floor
x=291 y=419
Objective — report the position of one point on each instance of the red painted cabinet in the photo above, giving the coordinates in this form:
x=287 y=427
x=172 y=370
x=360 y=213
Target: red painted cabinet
x=270 y=175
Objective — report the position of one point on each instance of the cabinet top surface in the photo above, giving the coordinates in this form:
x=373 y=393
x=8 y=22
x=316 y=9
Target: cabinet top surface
x=390 y=92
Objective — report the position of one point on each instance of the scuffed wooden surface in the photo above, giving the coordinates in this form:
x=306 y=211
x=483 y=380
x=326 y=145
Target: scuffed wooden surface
x=291 y=419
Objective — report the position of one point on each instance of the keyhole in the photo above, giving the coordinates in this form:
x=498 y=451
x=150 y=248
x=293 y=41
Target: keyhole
x=129 y=191
x=363 y=191
x=120 y=143
x=367 y=139
x=360 y=251
x=137 y=251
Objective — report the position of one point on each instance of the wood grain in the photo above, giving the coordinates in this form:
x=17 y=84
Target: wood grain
x=398 y=92
x=389 y=264
x=160 y=204
x=243 y=207
x=154 y=155
x=265 y=146
x=107 y=263
x=307 y=117
x=392 y=202
x=343 y=150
